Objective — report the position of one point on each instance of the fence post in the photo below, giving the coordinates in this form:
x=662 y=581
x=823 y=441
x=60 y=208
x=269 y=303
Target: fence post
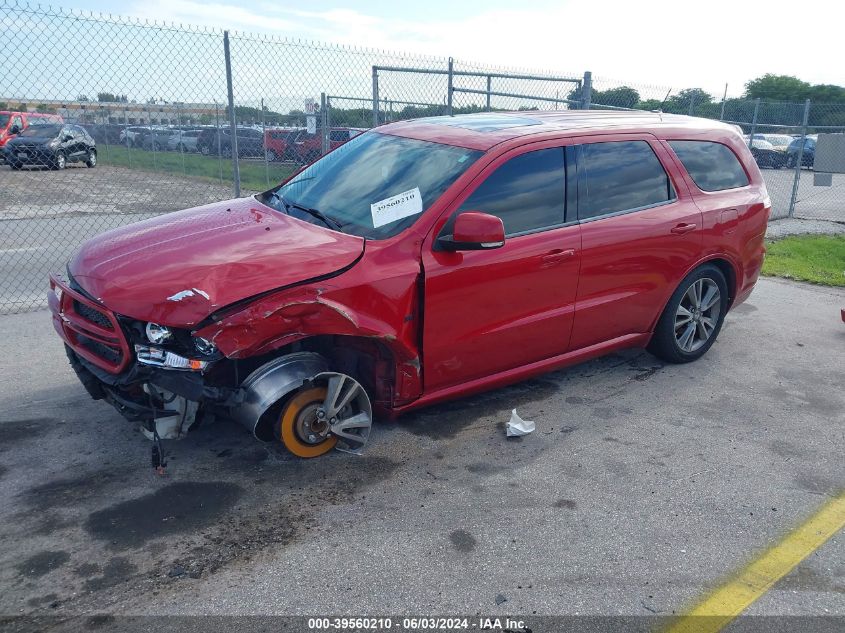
x=754 y=122
x=449 y=88
x=692 y=104
x=799 y=160
x=489 y=90
x=324 y=129
x=236 y=170
x=264 y=143
x=587 y=90
x=375 y=96
x=724 y=98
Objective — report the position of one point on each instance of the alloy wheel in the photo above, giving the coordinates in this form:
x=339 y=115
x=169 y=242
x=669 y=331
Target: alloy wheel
x=697 y=315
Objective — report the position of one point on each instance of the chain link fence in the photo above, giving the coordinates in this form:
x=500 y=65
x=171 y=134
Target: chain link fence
x=184 y=116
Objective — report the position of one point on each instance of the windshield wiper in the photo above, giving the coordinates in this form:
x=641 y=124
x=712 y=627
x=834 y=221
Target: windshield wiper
x=328 y=221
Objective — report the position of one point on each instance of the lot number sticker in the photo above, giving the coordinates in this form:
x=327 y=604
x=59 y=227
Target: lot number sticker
x=396 y=207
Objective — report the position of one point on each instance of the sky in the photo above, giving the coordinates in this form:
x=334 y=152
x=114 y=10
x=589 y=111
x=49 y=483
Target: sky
x=661 y=43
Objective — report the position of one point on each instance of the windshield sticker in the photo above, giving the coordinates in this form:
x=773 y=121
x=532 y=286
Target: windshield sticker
x=396 y=207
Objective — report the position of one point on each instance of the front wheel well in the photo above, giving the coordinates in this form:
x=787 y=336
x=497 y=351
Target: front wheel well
x=367 y=359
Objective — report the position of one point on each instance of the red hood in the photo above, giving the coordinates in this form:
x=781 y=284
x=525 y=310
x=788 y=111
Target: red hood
x=178 y=268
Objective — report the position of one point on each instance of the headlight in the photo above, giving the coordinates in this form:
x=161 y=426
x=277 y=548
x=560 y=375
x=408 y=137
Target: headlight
x=158 y=333
x=204 y=346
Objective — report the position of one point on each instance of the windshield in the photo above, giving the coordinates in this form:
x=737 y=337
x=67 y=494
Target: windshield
x=376 y=185
x=42 y=131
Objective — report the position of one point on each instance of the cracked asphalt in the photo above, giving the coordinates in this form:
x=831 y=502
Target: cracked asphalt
x=643 y=486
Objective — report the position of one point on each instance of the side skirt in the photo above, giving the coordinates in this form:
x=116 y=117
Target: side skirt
x=524 y=372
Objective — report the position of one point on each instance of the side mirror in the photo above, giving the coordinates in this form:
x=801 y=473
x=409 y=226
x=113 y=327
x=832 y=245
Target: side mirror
x=14 y=130
x=474 y=231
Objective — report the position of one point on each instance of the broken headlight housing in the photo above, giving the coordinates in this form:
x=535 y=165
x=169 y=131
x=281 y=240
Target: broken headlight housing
x=158 y=334
x=204 y=346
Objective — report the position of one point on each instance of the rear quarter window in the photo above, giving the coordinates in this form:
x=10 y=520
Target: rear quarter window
x=712 y=166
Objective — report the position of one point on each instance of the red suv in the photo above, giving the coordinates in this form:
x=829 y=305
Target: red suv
x=308 y=147
x=278 y=143
x=423 y=260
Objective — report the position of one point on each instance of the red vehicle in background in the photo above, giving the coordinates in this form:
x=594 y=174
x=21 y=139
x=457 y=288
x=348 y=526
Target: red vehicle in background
x=428 y=260
x=309 y=147
x=13 y=123
x=278 y=143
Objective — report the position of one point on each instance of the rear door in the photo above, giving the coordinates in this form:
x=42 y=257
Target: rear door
x=490 y=311
x=640 y=232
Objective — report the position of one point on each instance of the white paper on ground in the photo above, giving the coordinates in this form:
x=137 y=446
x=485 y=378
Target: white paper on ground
x=517 y=426
x=396 y=207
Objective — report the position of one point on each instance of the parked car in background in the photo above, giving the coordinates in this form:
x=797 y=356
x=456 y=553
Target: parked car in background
x=309 y=147
x=808 y=158
x=250 y=141
x=13 y=123
x=769 y=150
x=51 y=146
x=155 y=139
x=129 y=135
x=183 y=140
x=278 y=143
x=431 y=259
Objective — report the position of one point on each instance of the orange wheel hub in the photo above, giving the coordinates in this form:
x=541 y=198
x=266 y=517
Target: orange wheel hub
x=301 y=430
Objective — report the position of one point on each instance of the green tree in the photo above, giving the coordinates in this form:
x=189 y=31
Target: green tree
x=45 y=109
x=680 y=103
x=827 y=93
x=771 y=87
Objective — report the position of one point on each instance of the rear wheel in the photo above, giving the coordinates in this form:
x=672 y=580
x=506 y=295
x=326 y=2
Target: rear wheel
x=15 y=166
x=92 y=158
x=693 y=317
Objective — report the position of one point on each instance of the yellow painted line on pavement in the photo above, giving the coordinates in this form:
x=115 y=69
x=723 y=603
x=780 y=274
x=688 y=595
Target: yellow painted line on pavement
x=725 y=603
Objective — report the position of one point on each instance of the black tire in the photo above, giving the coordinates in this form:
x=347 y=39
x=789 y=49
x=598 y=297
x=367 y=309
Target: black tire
x=15 y=166
x=92 y=158
x=664 y=343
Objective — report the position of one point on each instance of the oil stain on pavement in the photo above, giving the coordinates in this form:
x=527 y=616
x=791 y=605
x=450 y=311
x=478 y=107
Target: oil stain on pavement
x=176 y=508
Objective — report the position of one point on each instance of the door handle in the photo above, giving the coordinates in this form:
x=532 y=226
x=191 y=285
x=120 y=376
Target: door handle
x=683 y=228
x=558 y=255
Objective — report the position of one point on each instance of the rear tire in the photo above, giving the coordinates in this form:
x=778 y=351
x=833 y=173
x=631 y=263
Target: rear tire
x=693 y=317
x=15 y=166
x=92 y=158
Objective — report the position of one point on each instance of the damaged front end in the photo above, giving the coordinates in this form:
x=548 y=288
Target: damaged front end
x=162 y=386
x=168 y=379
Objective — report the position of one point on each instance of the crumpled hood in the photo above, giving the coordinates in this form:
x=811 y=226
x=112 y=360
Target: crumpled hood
x=178 y=268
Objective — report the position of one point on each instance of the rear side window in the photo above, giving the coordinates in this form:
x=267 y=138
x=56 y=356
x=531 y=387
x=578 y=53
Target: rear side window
x=712 y=166
x=528 y=192
x=620 y=176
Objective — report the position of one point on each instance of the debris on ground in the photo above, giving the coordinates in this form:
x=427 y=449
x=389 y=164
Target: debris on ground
x=517 y=427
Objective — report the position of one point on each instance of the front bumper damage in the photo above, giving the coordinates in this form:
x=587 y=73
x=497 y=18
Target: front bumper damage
x=128 y=377
x=123 y=393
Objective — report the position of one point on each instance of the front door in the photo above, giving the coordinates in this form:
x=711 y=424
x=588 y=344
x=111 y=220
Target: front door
x=489 y=311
